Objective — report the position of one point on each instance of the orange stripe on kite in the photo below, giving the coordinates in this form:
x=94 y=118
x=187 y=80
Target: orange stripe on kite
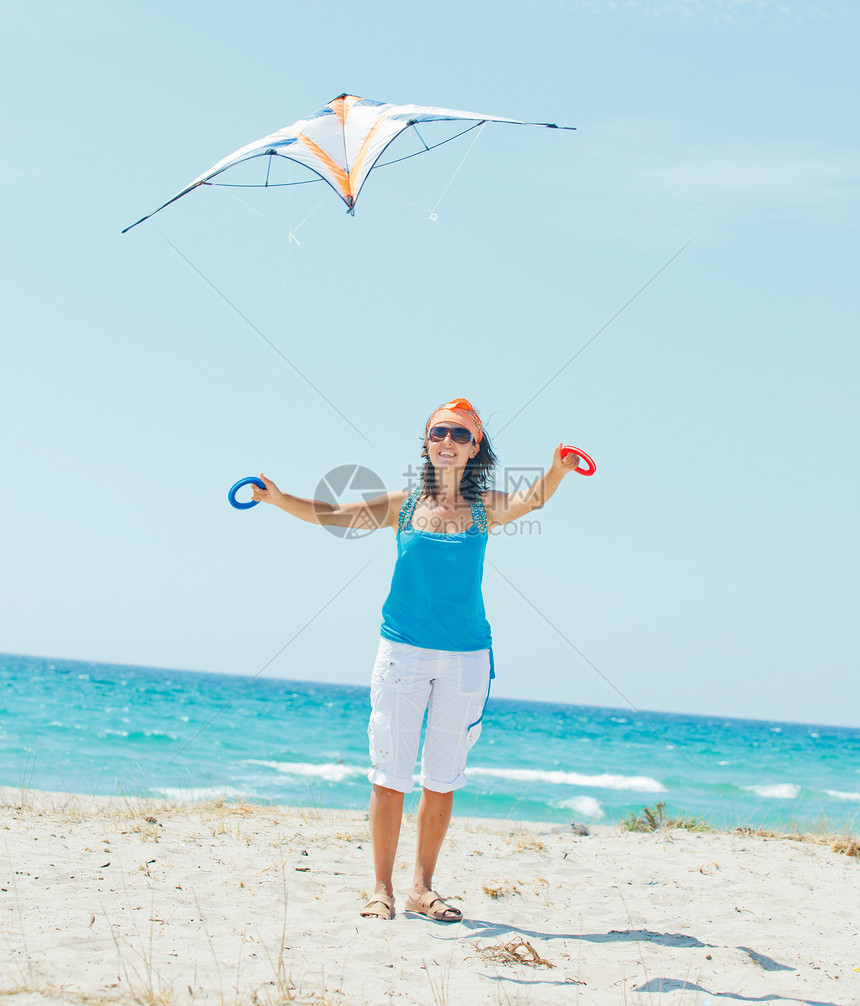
x=355 y=168
x=337 y=107
x=339 y=175
x=341 y=107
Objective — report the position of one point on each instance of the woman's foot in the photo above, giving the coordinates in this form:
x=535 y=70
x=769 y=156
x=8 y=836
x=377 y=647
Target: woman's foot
x=380 y=906
x=429 y=903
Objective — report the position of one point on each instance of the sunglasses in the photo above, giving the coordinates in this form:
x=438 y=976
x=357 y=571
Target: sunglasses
x=459 y=434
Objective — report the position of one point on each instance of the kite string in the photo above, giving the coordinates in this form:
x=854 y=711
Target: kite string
x=283 y=299
x=457 y=169
x=272 y=406
x=590 y=663
x=602 y=329
x=291 y=231
x=299 y=226
x=423 y=176
x=268 y=419
x=253 y=209
x=267 y=340
x=284 y=286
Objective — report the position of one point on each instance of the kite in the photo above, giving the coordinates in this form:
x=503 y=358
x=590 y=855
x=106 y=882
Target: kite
x=342 y=143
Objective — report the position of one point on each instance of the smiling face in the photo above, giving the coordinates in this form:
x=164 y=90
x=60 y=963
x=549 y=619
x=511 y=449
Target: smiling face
x=448 y=453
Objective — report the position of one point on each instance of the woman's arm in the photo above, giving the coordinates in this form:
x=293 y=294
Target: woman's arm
x=504 y=507
x=382 y=511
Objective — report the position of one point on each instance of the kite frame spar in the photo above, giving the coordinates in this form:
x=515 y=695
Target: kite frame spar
x=342 y=144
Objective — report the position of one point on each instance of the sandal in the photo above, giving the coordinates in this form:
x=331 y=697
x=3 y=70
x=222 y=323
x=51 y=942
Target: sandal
x=380 y=906
x=432 y=905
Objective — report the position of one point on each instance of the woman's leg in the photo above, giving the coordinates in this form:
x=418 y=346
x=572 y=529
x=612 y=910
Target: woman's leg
x=434 y=815
x=398 y=696
x=453 y=724
x=386 y=812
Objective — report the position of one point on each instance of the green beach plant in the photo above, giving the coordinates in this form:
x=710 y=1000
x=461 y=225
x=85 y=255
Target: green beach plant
x=655 y=819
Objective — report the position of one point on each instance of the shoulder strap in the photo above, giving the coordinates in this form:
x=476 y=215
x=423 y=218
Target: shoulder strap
x=479 y=515
x=405 y=517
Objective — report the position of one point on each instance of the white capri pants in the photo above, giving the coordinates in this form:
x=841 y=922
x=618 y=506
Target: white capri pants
x=452 y=687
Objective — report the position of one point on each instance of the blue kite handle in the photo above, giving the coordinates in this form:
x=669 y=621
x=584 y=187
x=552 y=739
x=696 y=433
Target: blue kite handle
x=251 y=480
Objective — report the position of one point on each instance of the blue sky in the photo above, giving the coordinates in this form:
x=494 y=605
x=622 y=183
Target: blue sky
x=709 y=566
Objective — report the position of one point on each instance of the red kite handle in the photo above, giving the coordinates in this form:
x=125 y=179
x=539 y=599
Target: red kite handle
x=592 y=467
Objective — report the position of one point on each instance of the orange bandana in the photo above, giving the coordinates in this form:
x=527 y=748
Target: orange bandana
x=459 y=411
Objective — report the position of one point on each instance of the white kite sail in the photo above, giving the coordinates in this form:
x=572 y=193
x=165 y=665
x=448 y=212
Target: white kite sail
x=342 y=142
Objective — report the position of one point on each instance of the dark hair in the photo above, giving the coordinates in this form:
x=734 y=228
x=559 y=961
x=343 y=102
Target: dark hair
x=478 y=477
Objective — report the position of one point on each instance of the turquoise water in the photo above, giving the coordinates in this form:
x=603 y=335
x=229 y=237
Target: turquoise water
x=82 y=727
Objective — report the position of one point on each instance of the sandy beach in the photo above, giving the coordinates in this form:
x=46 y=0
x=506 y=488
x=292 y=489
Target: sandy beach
x=108 y=900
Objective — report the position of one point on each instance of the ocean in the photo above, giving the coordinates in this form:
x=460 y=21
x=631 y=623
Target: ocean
x=105 y=729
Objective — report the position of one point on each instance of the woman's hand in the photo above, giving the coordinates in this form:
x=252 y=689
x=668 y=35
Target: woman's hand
x=568 y=463
x=271 y=494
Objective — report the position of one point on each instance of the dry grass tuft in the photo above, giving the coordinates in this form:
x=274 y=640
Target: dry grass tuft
x=524 y=842
x=848 y=845
x=50 y=992
x=515 y=951
x=220 y=807
x=285 y=992
x=496 y=890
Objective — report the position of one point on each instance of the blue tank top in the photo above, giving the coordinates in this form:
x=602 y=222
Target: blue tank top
x=435 y=600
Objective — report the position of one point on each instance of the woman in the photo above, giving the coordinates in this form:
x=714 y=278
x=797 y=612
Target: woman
x=435 y=653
